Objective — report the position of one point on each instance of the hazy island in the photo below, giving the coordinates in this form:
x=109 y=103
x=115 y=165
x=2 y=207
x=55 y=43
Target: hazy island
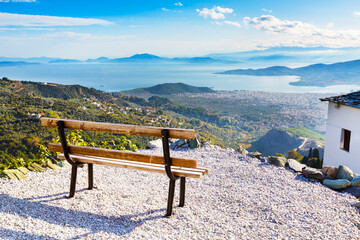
x=322 y=75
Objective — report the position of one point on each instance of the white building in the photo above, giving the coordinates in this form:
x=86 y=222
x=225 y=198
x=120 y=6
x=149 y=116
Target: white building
x=342 y=142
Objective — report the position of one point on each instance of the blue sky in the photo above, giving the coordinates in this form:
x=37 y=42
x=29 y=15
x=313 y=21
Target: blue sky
x=89 y=29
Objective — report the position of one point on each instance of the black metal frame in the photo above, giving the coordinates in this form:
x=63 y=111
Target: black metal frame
x=74 y=164
x=172 y=177
x=167 y=159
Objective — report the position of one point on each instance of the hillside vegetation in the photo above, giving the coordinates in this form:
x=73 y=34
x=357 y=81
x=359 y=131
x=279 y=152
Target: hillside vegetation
x=23 y=103
x=170 y=88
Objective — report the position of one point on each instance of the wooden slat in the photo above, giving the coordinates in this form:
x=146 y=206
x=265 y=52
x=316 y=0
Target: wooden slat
x=202 y=170
x=133 y=165
x=120 y=128
x=124 y=155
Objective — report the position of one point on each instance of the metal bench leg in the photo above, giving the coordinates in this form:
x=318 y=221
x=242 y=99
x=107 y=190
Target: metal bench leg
x=73 y=181
x=170 y=198
x=91 y=176
x=182 y=191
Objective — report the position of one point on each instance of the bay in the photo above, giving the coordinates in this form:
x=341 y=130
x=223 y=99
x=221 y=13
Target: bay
x=115 y=77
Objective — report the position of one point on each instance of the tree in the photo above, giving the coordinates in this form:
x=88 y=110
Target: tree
x=316 y=153
x=294 y=155
x=310 y=155
x=305 y=160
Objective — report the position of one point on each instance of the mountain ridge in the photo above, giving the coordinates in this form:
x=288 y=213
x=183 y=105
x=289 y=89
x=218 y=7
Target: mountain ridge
x=312 y=75
x=169 y=88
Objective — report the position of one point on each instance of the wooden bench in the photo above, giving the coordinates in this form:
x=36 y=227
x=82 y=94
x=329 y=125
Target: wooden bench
x=175 y=168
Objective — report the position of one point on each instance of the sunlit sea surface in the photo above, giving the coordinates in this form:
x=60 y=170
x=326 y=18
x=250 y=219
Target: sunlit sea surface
x=123 y=76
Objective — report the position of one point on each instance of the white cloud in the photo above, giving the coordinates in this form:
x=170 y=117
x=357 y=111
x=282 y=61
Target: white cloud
x=210 y=13
x=357 y=14
x=214 y=13
x=266 y=10
x=224 y=10
x=11 y=19
x=297 y=33
x=178 y=4
x=236 y=24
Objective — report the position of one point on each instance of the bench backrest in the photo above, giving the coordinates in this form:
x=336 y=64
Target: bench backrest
x=120 y=128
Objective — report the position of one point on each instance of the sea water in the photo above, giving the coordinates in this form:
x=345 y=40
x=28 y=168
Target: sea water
x=123 y=76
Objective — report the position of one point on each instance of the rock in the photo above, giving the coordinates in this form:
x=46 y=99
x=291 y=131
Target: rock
x=64 y=164
x=355 y=182
x=177 y=144
x=207 y=143
x=357 y=205
x=49 y=164
x=313 y=173
x=263 y=159
x=14 y=174
x=295 y=165
x=37 y=167
x=355 y=191
x=330 y=171
x=277 y=161
x=255 y=154
x=23 y=170
x=9 y=174
x=195 y=143
x=337 y=183
x=344 y=173
x=242 y=150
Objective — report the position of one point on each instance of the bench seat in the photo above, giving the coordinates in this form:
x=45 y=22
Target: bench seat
x=178 y=171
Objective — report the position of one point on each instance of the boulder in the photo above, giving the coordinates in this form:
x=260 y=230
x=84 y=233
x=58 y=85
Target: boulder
x=313 y=173
x=357 y=205
x=295 y=165
x=37 y=167
x=49 y=164
x=154 y=144
x=355 y=182
x=24 y=170
x=242 y=150
x=355 y=191
x=178 y=143
x=337 y=183
x=194 y=143
x=277 y=161
x=344 y=173
x=207 y=143
x=330 y=172
x=14 y=174
x=255 y=154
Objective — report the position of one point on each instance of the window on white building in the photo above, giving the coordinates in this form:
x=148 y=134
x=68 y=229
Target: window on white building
x=345 y=139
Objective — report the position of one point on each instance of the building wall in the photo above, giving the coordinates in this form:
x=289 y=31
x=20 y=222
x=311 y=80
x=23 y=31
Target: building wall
x=340 y=116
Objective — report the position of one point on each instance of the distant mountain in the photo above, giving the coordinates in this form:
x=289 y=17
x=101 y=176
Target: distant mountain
x=276 y=141
x=282 y=141
x=32 y=59
x=312 y=75
x=65 y=61
x=170 y=88
x=100 y=59
x=203 y=60
x=145 y=57
x=15 y=63
x=273 y=57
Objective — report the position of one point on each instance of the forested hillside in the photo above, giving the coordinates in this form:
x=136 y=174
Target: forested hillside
x=23 y=103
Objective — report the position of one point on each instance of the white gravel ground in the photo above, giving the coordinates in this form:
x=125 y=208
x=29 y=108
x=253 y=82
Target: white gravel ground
x=241 y=198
